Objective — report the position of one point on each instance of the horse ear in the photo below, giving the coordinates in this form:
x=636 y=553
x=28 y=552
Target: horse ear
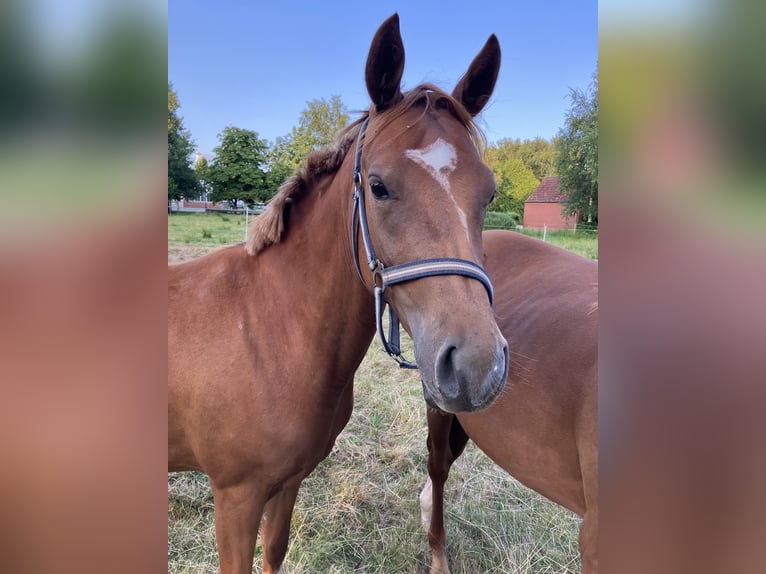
x=385 y=65
x=475 y=87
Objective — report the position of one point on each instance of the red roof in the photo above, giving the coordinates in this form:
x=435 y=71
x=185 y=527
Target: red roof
x=547 y=192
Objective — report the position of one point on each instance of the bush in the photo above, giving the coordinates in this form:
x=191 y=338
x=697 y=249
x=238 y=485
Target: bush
x=589 y=227
x=502 y=220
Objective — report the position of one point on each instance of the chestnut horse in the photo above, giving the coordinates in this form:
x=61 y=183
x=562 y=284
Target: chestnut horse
x=264 y=340
x=543 y=428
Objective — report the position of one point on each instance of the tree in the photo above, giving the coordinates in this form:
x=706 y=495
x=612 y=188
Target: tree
x=319 y=123
x=576 y=160
x=276 y=174
x=515 y=183
x=514 y=178
x=237 y=170
x=536 y=154
x=202 y=171
x=182 y=181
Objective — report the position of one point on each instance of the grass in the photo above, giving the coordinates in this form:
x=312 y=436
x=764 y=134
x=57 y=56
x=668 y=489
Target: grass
x=358 y=511
x=583 y=243
x=206 y=228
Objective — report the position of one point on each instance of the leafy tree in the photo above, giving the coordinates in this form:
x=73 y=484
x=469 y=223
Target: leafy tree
x=515 y=182
x=518 y=167
x=283 y=153
x=319 y=123
x=276 y=175
x=577 y=153
x=237 y=170
x=202 y=170
x=174 y=121
x=536 y=154
x=182 y=181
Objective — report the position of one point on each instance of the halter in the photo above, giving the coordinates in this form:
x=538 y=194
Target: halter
x=383 y=277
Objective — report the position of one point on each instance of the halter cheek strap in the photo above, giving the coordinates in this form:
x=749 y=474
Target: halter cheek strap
x=384 y=277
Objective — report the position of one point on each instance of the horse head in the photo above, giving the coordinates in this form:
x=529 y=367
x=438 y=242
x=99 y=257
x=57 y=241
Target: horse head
x=426 y=191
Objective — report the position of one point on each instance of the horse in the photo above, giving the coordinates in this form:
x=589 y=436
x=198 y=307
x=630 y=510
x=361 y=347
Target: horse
x=543 y=428
x=264 y=338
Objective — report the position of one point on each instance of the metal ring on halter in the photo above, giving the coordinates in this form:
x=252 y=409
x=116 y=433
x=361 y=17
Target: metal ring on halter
x=377 y=276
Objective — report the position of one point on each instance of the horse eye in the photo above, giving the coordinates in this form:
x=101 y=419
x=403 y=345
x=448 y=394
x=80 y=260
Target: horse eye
x=491 y=199
x=379 y=190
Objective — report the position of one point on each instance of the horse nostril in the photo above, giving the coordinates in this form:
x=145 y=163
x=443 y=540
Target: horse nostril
x=506 y=364
x=506 y=360
x=446 y=373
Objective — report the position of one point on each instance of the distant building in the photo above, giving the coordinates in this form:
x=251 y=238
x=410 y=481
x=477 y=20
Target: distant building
x=201 y=205
x=544 y=206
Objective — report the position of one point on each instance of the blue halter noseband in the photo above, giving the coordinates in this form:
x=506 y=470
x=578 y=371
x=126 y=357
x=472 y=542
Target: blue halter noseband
x=383 y=277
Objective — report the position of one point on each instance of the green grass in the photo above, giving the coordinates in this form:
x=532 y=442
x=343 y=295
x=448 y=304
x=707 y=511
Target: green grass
x=206 y=228
x=583 y=243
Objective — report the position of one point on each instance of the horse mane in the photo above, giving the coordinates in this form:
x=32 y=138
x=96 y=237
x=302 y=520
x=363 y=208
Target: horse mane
x=268 y=227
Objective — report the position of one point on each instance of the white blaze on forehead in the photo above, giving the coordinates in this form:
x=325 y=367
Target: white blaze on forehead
x=439 y=159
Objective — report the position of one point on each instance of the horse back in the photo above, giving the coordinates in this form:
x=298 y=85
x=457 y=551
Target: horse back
x=544 y=423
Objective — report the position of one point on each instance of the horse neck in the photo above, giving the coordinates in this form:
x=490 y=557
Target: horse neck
x=316 y=264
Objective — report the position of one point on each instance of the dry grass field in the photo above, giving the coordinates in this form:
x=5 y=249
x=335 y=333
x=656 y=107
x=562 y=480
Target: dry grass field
x=359 y=512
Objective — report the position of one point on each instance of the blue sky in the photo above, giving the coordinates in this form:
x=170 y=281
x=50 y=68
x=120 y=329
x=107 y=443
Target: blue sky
x=256 y=64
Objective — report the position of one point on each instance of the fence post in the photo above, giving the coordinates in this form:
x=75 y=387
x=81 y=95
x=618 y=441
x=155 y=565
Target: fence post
x=545 y=230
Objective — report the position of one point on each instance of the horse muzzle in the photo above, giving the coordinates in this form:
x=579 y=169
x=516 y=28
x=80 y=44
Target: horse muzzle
x=464 y=376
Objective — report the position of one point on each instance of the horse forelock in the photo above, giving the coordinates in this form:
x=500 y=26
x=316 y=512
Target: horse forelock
x=268 y=228
x=430 y=98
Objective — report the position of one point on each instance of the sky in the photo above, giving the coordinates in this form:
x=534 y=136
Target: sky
x=255 y=65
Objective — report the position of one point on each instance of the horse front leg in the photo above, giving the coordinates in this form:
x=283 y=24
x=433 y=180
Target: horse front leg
x=446 y=440
x=275 y=529
x=238 y=510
